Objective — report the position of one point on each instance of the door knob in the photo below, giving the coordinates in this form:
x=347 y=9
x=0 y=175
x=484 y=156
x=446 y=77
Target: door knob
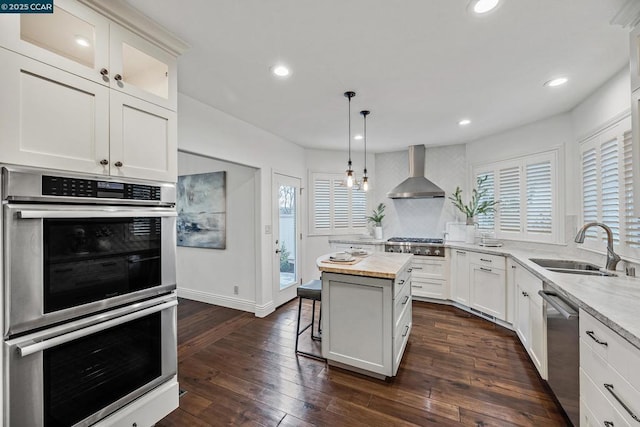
x=104 y=72
x=117 y=77
x=118 y=164
x=104 y=162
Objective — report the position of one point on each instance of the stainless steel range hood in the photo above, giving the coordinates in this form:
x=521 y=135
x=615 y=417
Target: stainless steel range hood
x=416 y=186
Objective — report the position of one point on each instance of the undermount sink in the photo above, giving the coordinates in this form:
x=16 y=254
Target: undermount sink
x=571 y=267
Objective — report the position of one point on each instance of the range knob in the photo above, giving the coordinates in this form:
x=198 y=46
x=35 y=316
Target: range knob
x=390 y=250
x=418 y=251
x=437 y=252
x=427 y=251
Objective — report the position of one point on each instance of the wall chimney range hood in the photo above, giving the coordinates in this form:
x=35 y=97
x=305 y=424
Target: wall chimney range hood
x=416 y=186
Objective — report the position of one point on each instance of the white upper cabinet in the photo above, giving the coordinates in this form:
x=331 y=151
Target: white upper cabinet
x=79 y=40
x=634 y=58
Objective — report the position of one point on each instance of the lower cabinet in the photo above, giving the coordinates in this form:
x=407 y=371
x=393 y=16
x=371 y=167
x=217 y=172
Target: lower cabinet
x=371 y=247
x=529 y=318
x=460 y=276
x=609 y=376
x=430 y=276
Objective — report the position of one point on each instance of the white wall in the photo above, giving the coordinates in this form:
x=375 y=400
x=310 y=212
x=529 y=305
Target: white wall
x=445 y=166
x=210 y=132
x=210 y=274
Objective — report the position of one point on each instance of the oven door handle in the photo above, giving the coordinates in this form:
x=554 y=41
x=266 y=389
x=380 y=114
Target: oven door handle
x=36 y=347
x=119 y=213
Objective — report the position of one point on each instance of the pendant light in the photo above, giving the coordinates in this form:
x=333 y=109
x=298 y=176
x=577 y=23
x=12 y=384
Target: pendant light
x=365 y=179
x=350 y=177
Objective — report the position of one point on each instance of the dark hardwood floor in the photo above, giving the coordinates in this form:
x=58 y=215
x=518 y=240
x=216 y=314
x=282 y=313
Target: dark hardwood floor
x=457 y=370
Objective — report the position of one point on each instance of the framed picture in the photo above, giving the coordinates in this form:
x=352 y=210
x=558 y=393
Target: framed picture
x=202 y=210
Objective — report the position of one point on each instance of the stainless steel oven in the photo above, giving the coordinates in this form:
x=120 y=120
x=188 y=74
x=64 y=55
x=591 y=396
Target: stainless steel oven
x=78 y=245
x=76 y=373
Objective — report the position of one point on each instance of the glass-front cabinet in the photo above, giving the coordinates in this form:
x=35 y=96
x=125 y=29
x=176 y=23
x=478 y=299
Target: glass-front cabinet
x=77 y=39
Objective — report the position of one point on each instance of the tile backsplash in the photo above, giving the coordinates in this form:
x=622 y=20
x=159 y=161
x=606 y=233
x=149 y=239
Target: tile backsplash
x=445 y=166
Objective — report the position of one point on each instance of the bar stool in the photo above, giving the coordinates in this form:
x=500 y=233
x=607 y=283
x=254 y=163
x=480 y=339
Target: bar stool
x=313 y=291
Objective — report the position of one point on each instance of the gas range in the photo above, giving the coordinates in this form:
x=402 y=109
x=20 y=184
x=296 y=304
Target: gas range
x=415 y=246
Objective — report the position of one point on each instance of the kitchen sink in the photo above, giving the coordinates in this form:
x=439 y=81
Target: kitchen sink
x=571 y=267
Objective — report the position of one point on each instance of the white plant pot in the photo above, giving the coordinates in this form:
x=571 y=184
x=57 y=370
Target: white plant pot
x=470 y=236
x=377 y=233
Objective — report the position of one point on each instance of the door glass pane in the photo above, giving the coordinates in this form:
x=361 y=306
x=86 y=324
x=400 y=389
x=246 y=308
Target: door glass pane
x=61 y=33
x=287 y=238
x=145 y=71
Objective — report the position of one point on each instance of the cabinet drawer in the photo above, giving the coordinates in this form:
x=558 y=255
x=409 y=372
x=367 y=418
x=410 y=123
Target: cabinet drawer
x=400 y=304
x=593 y=402
x=425 y=267
x=617 y=352
x=402 y=331
x=618 y=392
x=429 y=288
x=492 y=261
x=402 y=280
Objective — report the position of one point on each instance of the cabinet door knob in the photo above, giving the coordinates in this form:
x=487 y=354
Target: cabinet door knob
x=117 y=77
x=118 y=164
x=104 y=162
x=524 y=294
x=104 y=72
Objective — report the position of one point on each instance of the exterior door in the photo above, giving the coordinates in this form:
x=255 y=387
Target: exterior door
x=286 y=234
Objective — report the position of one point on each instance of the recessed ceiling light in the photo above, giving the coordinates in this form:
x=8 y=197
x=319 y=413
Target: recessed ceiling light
x=357 y=137
x=556 y=82
x=280 y=70
x=484 y=6
x=82 y=41
x=464 y=122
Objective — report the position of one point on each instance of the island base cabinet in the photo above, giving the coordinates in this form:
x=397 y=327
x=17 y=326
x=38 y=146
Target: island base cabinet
x=356 y=330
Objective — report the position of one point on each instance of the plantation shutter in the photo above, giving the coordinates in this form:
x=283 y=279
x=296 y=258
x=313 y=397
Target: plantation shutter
x=632 y=224
x=539 y=198
x=322 y=204
x=610 y=194
x=358 y=208
x=486 y=221
x=590 y=189
x=509 y=187
x=340 y=206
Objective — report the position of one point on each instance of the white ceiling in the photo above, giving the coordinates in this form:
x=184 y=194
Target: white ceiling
x=418 y=65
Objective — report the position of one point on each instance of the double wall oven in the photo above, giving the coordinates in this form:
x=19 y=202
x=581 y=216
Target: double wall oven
x=89 y=282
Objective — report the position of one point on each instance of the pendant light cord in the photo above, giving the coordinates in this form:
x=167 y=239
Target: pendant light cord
x=349 y=95
x=365 y=113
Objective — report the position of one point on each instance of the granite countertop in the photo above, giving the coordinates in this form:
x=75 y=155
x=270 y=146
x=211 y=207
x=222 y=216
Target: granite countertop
x=615 y=301
x=378 y=264
x=364 y=240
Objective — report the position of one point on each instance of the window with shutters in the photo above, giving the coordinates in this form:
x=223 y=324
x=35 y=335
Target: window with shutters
x=486 y=222
x=527 y=188
x=335 y=208
x=607 y=189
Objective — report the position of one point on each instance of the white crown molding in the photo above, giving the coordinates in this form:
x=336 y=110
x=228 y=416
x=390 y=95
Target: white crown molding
x=132 y=19
x=628 y=16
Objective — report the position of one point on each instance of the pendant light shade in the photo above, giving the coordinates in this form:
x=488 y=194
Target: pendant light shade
x=365 y=178
x=350 y=177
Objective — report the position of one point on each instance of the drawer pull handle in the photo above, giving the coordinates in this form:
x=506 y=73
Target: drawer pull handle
x=416 y=286
x=608 y=424
x=410 y=270
x=525 y=294
x=416 y=268
x=461 y=253
x=485 y=269
x=593 y=337
x=401 y=282
x=406 y=298
x=609 y=388
x=485 y=260
x=406 y=330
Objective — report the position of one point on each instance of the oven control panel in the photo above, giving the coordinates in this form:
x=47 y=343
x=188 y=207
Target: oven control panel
x=80 y=187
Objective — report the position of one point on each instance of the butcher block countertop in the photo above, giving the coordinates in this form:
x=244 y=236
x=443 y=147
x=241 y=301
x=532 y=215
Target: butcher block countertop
x=383 y=265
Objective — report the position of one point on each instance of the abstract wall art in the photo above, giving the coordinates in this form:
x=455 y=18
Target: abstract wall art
x=202 y=210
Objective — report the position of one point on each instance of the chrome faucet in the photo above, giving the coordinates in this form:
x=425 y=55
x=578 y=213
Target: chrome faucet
x=612 y=257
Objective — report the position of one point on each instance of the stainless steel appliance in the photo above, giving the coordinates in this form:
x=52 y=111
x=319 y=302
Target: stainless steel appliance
x=563 y=351
x=90 y=304
x=79 y=245
x=76 y=373
x=417 y=246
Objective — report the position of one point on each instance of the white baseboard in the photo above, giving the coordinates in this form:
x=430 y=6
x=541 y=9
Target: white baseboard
x=265 y=309
x=221 y=300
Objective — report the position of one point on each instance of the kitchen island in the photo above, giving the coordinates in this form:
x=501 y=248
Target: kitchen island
x=366 y=312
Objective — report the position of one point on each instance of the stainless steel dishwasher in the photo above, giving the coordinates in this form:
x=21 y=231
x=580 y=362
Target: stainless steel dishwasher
x=563 y=351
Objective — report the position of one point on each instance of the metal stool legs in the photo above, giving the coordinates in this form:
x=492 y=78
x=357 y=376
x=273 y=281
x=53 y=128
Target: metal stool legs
x=310 y=325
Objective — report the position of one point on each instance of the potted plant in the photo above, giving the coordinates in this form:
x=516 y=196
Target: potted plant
x=376 y=219
x=478 y=204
